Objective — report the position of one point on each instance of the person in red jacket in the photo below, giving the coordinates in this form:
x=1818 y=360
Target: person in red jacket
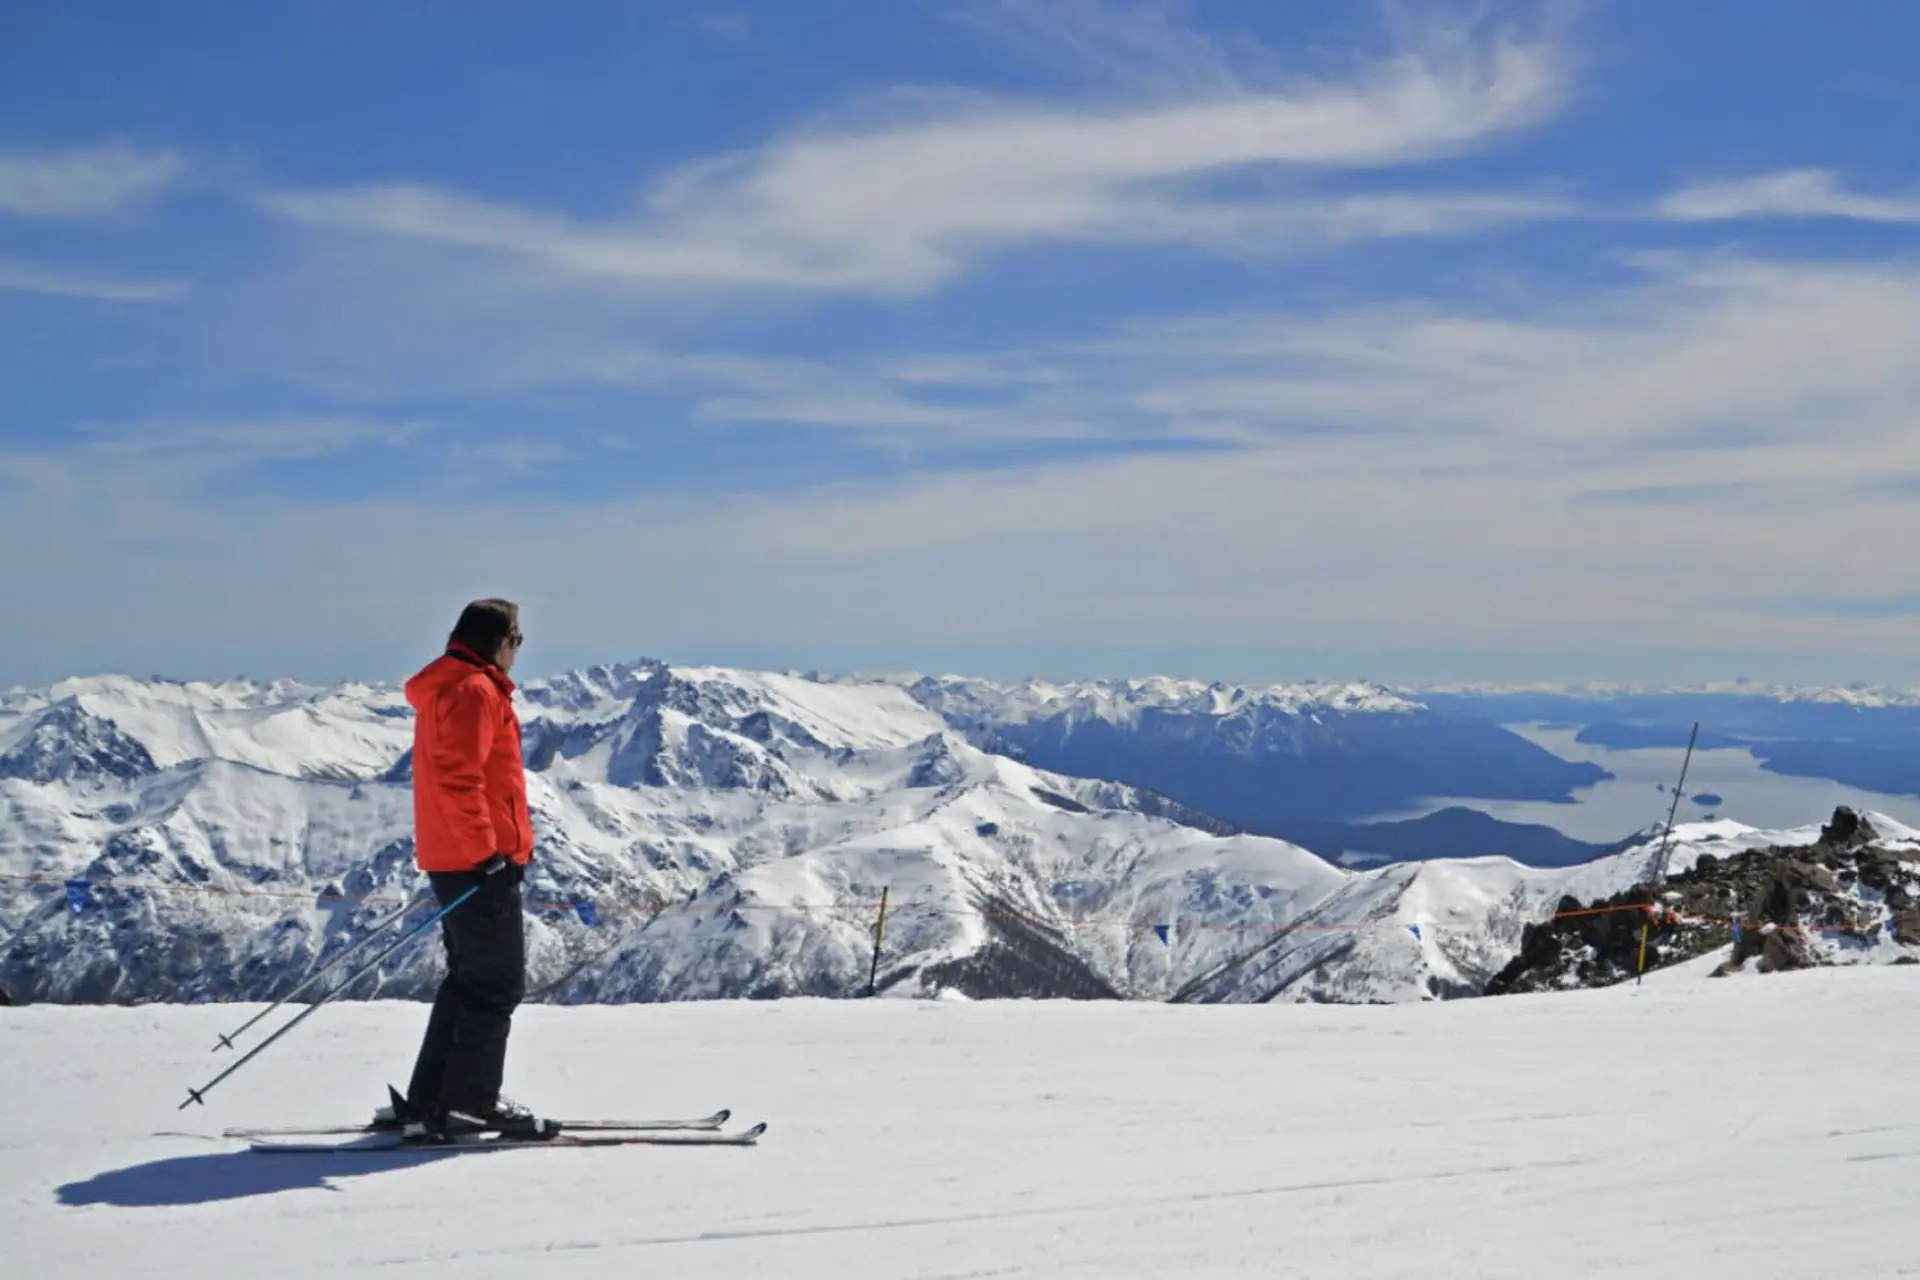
x=471 y=831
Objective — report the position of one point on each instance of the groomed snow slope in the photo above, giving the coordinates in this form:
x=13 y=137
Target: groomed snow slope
x=1690 y=1127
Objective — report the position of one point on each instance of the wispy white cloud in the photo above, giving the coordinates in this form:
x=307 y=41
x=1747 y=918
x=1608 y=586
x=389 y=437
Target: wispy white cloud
x=115 y=468
x=899 y=207
x=1789 y=193
x=33 y=277
x=1554 y=477
x=1704 y=356
x=1701 y=344
x=1534 y=467
x=1660 y=459
x=1306 y=223
x=84 y=182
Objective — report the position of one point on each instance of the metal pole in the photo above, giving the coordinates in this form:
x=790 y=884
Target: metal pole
x=879 y=930
x=226 y=1041
x=194 y=1095
x=1660 y=869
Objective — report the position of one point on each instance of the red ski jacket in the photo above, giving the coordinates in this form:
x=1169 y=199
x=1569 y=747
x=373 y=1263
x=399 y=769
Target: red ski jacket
x=469 y=786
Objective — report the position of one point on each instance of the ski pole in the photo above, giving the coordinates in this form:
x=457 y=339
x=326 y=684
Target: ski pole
x=194 y=1095
x=226 y=1041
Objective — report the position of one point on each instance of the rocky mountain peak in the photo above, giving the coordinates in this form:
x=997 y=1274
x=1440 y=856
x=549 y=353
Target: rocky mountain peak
x=1849 y=897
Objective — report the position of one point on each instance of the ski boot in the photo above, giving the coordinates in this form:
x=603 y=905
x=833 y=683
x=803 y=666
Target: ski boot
x=506 y=1118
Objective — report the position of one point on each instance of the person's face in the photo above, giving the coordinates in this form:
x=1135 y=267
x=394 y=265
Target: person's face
x=509 y=650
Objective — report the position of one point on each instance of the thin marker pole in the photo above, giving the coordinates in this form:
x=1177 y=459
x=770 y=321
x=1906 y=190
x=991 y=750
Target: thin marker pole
x=1660 y=872
x=879 y=931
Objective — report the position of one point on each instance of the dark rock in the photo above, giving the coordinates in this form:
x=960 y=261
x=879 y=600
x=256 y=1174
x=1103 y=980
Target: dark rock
x=1059 y=801
x=402 y=769
x=1816 y=875
x=1783 y=898
x=1878 y=873
x=1022 y=958
x=67 y=743
x=1584 y=945
x=1847 y=830
x=1782 y=951
x=1774 y=901
x=1906 y=928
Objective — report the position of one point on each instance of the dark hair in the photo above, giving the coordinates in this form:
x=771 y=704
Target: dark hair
x=484 y=624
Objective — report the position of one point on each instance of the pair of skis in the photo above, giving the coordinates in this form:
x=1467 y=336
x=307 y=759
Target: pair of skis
x=703 y=1131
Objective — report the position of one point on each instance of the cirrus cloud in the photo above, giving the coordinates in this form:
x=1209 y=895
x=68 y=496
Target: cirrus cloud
x=84 y=182
x=1789 y=193
x=899 y=207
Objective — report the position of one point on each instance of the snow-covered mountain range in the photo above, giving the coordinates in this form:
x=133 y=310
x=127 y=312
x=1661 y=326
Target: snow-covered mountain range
x=1284 y=760
x=707 y=833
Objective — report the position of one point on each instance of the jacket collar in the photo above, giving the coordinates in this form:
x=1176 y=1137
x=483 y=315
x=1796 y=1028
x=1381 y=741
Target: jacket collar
x=460 y=652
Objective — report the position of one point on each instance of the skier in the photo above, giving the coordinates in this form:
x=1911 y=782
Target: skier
x=471 y=827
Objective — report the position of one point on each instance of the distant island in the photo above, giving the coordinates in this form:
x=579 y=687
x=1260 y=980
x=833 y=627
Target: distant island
x=1707 y=799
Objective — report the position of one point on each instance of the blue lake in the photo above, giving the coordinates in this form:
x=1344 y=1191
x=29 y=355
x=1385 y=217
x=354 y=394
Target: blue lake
x=1640 y=792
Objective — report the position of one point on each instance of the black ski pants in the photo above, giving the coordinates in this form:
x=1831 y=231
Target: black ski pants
x=464 y=1055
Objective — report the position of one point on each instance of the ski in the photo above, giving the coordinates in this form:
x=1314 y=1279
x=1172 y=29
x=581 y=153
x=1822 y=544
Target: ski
x=700 y=1123
x=393 y=1142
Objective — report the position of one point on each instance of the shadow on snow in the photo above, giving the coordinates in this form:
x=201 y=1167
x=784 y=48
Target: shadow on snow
x=232 y=1175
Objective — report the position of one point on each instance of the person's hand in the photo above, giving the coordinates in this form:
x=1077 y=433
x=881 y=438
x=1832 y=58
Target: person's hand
x=499 y=870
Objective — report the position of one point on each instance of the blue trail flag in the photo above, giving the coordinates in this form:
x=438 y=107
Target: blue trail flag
x=1161 y=929
x=1414 y=929
x=588 y=915
x=77 y=895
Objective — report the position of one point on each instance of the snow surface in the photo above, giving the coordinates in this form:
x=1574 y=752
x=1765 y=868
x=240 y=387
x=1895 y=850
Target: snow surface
x=1689 y=1127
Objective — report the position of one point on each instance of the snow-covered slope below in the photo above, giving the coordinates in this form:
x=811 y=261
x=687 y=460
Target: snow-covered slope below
x=702 y=833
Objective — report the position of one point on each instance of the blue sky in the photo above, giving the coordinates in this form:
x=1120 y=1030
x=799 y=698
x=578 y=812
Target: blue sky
x=1416 y=342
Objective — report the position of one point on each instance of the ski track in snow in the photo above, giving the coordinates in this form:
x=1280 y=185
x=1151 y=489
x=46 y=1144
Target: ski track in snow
x=1754 y=1126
